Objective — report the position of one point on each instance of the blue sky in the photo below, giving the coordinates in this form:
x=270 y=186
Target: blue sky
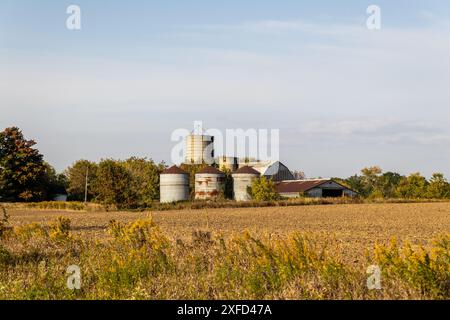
x=342 y=96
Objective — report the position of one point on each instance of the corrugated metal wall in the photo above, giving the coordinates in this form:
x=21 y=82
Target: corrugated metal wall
x=174 y=187
x=209 y=186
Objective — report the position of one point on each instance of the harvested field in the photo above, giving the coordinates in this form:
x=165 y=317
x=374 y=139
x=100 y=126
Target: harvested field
x=307 y=252
x=356 y=226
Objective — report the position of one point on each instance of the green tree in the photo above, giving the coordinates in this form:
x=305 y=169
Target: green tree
x=371 y=181
x=113 y=185
x=356 y=183
x=23 y=173
x=76 y=176
x=438 y=188
x=412 y=187
x=228 y=191
x=389 y=182
x=263 y=189
x=144 y=179
x=55 y=183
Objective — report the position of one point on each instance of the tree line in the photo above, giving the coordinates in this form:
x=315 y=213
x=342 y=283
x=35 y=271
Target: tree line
x=374 y=183
x=131 y=183
x=26 y=177
x=134 y=183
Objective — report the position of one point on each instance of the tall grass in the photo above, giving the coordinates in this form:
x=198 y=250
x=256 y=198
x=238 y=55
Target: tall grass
x=59 y=206
x=211 y=204
x=138 y=261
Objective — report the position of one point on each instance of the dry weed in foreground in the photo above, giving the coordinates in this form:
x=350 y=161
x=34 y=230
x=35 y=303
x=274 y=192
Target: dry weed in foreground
x=140 y=262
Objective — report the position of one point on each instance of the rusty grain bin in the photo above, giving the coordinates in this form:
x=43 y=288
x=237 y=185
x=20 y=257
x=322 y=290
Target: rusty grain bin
x=174 y=185
x=242 y=181
x=209 y=184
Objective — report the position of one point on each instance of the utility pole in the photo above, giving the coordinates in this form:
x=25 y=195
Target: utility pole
x=86 y=185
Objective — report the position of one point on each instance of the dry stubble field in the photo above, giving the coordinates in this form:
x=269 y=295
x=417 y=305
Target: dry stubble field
x=305 y=252
x=355 y=227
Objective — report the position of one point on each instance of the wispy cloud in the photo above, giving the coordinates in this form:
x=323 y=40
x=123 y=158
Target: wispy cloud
x=366 y=88
x=376 y=131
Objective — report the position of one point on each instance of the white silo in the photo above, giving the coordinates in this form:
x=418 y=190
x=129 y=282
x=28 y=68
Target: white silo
x=199 y=149
x=209 y=184
x=174 y=185
x=242 y=182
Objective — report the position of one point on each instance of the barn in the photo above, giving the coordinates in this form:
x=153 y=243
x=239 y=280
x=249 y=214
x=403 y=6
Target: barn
x=316 y=188
x=275 y=170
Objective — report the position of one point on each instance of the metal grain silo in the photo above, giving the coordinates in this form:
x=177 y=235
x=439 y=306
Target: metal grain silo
x=209 y=184
x=242 y=181
x=199 y=149
x=174 y=185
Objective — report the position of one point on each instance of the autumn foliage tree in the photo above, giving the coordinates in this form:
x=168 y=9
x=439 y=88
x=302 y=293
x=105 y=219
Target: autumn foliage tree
x=413 y=187
x=438 y=187
x=23 y=172
x=374 y=183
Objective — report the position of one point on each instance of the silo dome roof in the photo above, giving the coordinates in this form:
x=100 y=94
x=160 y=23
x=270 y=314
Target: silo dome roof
x=174 y=170
x=247 y=170
x=210 y=170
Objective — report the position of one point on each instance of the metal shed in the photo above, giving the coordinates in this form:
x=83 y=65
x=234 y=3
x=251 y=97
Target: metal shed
x=317 y=188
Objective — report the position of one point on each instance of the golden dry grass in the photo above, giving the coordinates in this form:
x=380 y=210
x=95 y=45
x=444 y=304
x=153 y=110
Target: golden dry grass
x=355 y=227
x=309 y=252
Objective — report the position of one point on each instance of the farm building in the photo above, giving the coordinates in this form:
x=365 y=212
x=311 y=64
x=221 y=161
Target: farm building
x=319 y=188
x=273 y=170
x=199 y=149
x=242 y=182
x=209 y=183
x=174 y=185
